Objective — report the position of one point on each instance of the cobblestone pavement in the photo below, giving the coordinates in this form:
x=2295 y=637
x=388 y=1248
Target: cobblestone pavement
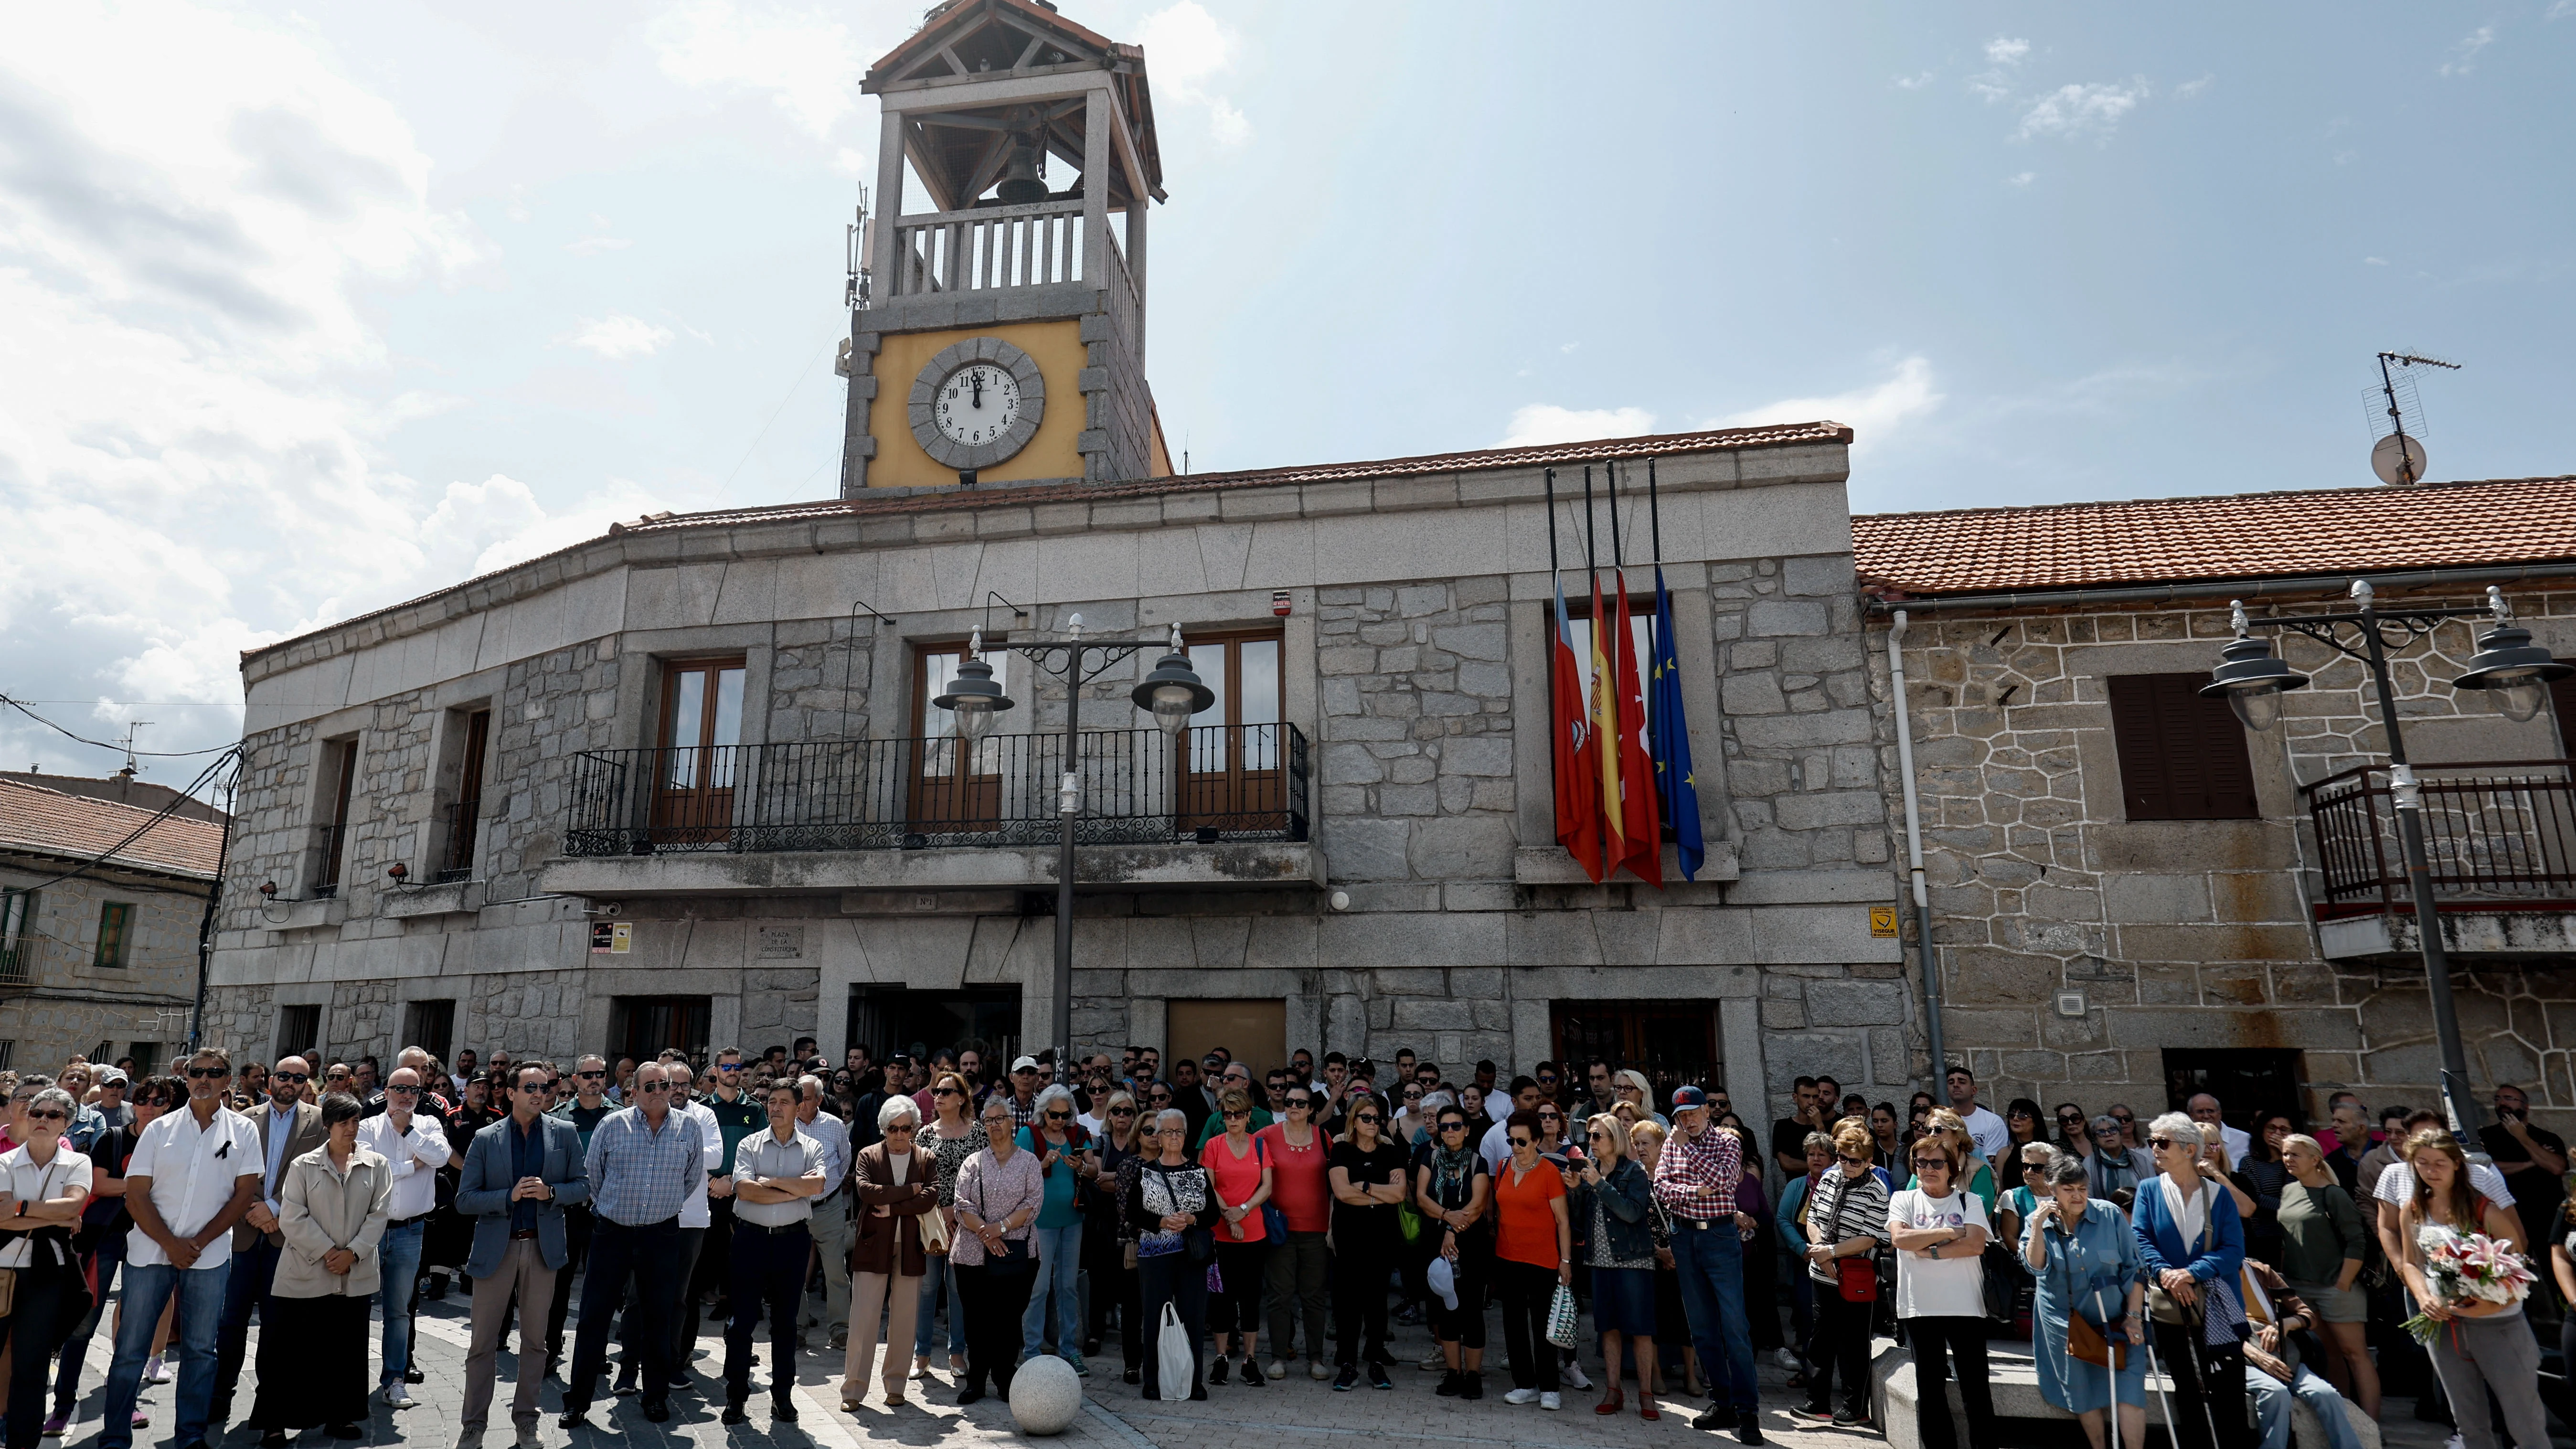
x=1296 y=1412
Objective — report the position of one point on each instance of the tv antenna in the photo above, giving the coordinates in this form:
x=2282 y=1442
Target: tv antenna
x=130 y=727
x=2398 y=455
x=858 y=239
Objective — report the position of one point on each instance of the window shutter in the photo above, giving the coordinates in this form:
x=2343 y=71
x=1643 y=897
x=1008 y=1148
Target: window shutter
x=2182 y=757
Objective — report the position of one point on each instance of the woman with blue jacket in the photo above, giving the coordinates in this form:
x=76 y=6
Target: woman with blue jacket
x=1614 y=1234
x=2192 y=1243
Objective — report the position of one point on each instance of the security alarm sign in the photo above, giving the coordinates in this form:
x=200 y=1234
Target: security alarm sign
x=1882 y=921
x=611 y=938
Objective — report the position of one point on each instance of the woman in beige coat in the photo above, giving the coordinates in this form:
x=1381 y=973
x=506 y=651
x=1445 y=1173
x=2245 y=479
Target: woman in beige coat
x=313 y=1326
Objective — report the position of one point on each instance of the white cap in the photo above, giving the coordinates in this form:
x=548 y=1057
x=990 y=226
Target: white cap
x=1025 y=1064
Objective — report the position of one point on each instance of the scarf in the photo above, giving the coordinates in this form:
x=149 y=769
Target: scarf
x=1453 y=1175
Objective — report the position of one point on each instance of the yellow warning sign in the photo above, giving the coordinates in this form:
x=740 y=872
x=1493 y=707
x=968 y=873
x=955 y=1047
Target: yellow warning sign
x=611 y=938
x=1882 y=921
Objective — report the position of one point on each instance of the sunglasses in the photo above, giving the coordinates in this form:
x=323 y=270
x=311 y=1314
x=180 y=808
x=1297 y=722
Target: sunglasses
x=553 y=1082
x=947 y=1092
x=402 y=1091
x=898 y=1127
x=533 y=1087
x=590 y=1076
x=210 y=1074
x=1366 y=1117
x=728 y=1066
x=48 y=1116
x=290 y=1076
x=1520 y=1142
x=1307 y=1102
x=2106 y=1132
x=2123 y=1118
x=649 y=1087
x=1059 y=1116
x=1122 y=1111
x=1231 y=1115
x=2160 y=1143
x=1921 y=1163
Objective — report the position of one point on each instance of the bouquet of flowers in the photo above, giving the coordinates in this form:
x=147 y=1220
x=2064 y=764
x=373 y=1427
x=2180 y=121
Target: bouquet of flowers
x=2467 y=1268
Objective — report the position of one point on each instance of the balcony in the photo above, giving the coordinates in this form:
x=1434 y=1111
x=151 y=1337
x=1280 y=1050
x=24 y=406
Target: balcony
x=1224 y=805
x=2499 y=837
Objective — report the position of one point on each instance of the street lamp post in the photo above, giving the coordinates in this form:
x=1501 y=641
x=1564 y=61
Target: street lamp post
x=1172 y=693
x=2511 y=673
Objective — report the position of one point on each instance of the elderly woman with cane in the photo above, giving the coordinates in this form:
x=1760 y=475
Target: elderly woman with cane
x=2085 y=1257
x=2192 y=1240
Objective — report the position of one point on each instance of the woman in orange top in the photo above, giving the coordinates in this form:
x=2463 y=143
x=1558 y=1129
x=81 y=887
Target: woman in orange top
x=1533 y=1254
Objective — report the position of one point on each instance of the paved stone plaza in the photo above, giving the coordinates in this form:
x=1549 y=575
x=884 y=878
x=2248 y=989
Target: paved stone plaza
x=1297 y=1411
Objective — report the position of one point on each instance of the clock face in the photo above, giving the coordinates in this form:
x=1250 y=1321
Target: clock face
x=976 y=404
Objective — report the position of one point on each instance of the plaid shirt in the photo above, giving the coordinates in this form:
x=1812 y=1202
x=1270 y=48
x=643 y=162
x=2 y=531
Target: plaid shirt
x=639 y=1176
x=1713 y=1159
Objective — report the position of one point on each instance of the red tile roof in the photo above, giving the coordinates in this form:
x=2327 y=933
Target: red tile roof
x=70 y=828
x=1556 y=455
x=2247 y=536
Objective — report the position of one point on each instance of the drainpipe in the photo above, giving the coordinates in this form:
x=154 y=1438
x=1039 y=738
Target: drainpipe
x=1914 y=845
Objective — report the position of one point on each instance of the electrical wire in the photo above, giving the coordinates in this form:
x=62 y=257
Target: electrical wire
x=111 y=744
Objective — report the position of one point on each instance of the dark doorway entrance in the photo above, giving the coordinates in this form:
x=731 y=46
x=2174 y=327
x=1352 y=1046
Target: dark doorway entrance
x=2247 y=1081
x=898 y=1019
x=643 y=1026
x=1672 y=1042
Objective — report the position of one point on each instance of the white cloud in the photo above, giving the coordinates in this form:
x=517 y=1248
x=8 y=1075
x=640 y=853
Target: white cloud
x=198 y=211
x=808 y=61
x=618 y=337
x=1872 y=412
x=2004 y=53
x=2021 y=178
x=2374 y=261
x=1539 y=423
x=2007 y=50
x=1921 y=79
x=2464 y=55
x=2094 y=109
x=2561 y=10
x=2192 y=90
x=1185 y=49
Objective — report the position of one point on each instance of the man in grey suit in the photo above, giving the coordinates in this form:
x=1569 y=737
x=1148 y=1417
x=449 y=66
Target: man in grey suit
x=520 y=1174
x=289 y=1127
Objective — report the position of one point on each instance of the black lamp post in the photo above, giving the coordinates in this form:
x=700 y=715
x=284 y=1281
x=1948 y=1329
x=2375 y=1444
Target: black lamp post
x=1172 y=693
x=2508 y=670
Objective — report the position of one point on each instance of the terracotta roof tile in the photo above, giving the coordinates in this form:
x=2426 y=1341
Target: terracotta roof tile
x=70 y=827
x=2249 y=535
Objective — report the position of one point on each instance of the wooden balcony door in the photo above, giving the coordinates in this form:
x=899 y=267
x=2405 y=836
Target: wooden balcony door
x=701 y=742
x=1231 y=777
x=955 y=786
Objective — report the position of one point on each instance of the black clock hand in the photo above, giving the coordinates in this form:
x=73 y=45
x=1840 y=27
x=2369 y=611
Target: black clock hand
x=977 y=381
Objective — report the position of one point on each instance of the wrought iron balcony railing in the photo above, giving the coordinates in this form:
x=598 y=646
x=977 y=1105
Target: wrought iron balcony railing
x=1139 y=787
x=2498 y=835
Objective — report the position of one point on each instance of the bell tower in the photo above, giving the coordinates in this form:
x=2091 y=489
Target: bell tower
x=1002 y=337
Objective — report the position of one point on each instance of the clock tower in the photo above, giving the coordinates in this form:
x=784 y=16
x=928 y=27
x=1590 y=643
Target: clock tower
x=1001 y=336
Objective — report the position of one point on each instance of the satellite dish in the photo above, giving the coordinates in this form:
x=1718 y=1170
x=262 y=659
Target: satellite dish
x=2395 y=468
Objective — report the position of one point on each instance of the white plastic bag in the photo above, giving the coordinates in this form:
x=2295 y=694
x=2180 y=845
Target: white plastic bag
x=1176 y=1369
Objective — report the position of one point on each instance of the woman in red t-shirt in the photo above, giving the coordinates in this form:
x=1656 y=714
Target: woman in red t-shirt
x=1533 y=1253
x=1239 y=1171
x=1300 y=1269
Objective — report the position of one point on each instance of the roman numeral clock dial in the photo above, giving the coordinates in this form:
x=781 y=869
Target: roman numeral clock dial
x=977 y=404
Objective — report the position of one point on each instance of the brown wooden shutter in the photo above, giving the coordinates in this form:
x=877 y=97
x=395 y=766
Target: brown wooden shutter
x=2182 y=757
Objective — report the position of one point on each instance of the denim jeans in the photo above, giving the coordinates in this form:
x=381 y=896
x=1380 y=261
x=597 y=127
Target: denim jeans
x=2272 y=1407
x=936 y=1272
x=1711 y=1266
x=245 y=1292
x=398 y=1257
x=201 y=1308
x=1059 y=1253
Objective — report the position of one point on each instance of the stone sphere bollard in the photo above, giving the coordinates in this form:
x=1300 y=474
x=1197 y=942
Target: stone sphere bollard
x=1045 y=1395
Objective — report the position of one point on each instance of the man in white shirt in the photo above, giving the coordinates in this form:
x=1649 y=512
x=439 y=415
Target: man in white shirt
x=695 y=1217
x=414 y=1147
x=1985 y=1129
x=2204 y=1110
x=194 y=1174
x=830 y=1223
x=1497 y=1146
x=289 y=1125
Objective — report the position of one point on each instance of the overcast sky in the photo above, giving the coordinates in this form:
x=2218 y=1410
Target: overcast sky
x=304 y=311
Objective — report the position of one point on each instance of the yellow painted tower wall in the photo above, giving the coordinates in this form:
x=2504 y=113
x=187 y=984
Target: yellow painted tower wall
x=1058 y=350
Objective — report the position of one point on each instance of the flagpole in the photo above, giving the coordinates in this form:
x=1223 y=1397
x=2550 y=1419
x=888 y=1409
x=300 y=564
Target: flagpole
x=1655 y=513
x=1551 y=523
x=1617 y=563
x=1590 y=526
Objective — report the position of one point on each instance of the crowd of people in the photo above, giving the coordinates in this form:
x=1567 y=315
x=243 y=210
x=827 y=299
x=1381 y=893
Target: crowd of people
x=961 y=1221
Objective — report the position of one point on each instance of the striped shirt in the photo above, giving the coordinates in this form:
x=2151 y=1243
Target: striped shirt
x=1845 y=1208
x=640 y=1176
x=1715 y=1160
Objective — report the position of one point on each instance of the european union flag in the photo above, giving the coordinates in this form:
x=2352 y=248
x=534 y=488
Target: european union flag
x=1669 y=735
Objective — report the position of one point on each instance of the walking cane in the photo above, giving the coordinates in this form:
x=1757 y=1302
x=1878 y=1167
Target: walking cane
x=2172 y=1434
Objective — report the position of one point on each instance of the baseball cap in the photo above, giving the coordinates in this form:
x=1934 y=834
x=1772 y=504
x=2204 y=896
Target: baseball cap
x=111 y=1077
x=1688 y=1097
x=1025 y=1064
x=1440 y=1278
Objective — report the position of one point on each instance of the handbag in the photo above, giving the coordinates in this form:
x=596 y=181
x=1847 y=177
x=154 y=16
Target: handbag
x=1016 y=1254
x=934 y=1232
x=1560 y=1317
x=1274 y=1223
x=1857 y=1279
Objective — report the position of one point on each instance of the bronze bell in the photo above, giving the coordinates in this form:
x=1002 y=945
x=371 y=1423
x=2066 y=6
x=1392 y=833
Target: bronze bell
x=1021 y=183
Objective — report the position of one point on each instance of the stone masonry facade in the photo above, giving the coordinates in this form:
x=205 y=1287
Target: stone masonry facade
x=2190 y=934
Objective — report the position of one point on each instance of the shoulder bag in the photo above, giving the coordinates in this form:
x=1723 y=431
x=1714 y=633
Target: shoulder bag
x=1855 y=1276
x=1274 y=1223
x=1015 y=1255
x=2086 y=1343
x=2161 y=1305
